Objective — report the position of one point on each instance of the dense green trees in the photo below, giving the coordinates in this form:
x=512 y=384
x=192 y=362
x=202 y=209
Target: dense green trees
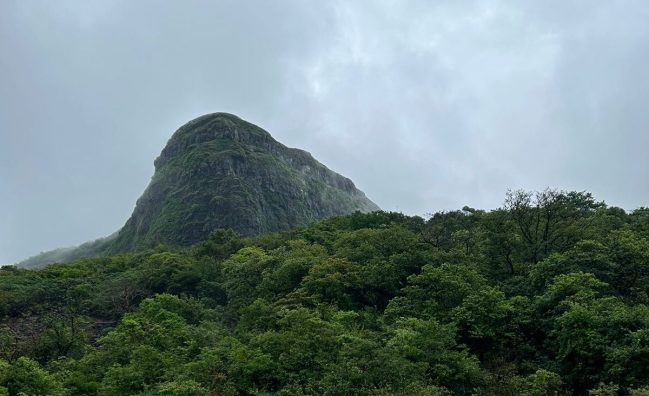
x=546 y=296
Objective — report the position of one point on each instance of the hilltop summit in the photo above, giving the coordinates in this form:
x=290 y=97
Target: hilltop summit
x=219 y=171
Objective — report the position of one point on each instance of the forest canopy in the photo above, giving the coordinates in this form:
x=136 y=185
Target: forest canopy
x=547 y=295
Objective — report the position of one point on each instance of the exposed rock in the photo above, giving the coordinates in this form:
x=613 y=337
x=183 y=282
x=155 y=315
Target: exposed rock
x=219 y=171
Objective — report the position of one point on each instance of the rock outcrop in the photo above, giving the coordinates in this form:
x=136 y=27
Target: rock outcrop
x=219 y=171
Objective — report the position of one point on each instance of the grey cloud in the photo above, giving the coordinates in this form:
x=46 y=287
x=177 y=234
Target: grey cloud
x=425 y=105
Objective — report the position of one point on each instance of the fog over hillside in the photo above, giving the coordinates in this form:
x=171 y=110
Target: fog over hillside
x=425 y=105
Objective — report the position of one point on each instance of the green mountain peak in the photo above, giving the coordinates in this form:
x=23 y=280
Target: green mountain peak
x=219 y=171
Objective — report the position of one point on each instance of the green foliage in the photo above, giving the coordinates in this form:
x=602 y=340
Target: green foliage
x=26 y=377
x=219 y=171
x=430 y=347
x=539 y=383
x=465 y=303
x=436 y=291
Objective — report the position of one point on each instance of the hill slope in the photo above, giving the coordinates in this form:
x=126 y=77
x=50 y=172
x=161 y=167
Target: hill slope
x=219 y=171
x=546 y=295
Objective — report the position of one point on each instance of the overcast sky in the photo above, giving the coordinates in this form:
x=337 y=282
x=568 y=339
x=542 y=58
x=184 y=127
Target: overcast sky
x=426 y=105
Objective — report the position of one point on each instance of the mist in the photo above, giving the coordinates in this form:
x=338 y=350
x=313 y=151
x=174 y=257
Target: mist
x=426 y=106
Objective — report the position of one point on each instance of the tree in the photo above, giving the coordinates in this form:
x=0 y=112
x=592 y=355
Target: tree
x=242 y=273
x=26 y=377
x=603 y=340
x=495 y=327
x=546 y=220
x=630 y=253
x=540 y=383
x=432 y=347
x=435 y=292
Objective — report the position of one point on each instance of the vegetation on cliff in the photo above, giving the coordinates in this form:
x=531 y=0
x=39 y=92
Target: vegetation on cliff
x=219 y=171
x=547 y=295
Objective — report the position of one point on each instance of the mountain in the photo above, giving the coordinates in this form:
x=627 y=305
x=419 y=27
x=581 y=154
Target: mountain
x=219 y=171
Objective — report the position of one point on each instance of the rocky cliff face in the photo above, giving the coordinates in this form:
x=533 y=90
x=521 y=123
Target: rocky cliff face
x=219 y=171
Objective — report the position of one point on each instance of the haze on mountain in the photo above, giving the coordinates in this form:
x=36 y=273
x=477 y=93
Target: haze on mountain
x=221 y=172
x=426 y=105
